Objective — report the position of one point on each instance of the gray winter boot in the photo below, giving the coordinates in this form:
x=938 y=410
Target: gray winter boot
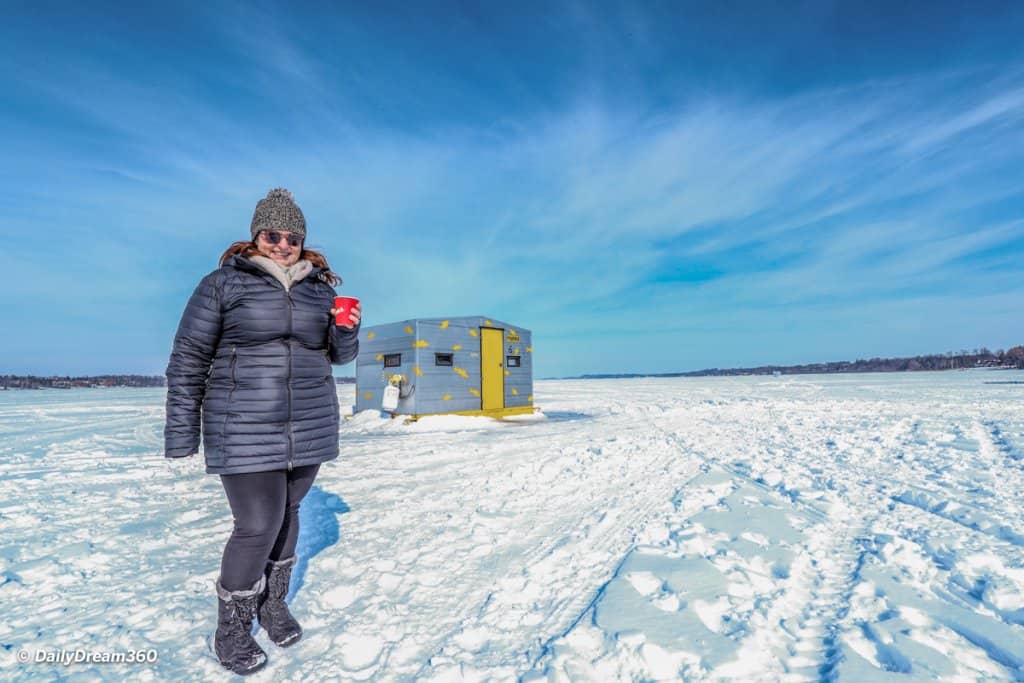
x=273 y=612
x=233 y=641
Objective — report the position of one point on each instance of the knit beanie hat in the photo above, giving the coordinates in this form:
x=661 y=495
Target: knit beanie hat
x=278 y=211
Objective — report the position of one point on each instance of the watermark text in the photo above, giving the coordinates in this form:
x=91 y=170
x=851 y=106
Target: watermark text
x=83 y=656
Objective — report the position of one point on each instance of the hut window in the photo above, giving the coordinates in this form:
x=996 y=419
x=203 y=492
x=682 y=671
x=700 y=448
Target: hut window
x=442 y=359
x=392 y=360
x=512 y=361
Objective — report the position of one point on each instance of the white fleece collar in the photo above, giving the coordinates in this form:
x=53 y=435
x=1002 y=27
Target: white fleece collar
x=287 y=276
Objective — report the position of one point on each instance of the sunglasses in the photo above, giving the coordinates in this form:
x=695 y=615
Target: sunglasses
x=273 y=237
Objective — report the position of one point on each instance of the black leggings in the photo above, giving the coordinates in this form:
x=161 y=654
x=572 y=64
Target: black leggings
x=266 y=510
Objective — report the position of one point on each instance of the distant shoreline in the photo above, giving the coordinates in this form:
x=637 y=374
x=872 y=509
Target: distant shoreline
x=1011 y=359
x=692 y=375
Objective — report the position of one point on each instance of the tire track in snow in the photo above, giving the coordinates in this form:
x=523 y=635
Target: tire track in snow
x=798 y=635
x=849 y=538
x=824 y=584
x=936 y=486
x=997 y=452
x=998 y=437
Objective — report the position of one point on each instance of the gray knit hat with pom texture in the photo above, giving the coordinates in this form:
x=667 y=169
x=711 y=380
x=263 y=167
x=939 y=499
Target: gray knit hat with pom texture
x=278 y=211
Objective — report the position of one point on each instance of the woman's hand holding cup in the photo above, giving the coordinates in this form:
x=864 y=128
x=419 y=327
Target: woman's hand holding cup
x=347 y=311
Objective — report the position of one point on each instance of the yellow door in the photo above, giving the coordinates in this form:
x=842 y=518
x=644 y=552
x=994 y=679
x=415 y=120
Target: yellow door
x=491 y=369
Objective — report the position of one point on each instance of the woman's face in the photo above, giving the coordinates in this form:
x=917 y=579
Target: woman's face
x=285 y=251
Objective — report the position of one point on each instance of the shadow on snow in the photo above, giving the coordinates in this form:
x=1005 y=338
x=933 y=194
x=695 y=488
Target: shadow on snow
x=318 y=529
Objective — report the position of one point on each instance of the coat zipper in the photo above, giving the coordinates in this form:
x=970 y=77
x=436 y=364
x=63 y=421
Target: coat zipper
x=291 y=434
x=288 y=341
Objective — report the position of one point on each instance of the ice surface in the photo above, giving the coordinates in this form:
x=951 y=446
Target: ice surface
x=863 y=527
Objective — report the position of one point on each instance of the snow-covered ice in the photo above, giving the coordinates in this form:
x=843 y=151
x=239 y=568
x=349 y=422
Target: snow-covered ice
x=861 y=527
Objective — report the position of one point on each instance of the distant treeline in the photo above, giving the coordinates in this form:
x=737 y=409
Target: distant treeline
x=68 y=382
x=97 y=381
x=979 y=358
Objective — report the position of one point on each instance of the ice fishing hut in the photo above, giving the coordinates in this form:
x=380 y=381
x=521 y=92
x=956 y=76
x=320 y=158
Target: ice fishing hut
x=466 y=366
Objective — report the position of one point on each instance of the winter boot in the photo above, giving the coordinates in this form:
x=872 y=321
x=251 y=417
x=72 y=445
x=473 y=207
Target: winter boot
x=233 y=641
x=273 y=612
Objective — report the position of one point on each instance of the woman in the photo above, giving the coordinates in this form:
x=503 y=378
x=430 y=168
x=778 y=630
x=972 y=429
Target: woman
x=252 y=358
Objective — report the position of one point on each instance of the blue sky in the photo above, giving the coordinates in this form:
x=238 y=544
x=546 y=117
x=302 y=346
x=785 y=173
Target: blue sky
x=649 y=187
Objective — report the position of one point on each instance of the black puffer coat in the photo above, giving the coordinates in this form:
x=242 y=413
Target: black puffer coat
x=254 y=360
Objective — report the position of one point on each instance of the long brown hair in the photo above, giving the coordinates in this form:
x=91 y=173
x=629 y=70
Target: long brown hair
x=249 y=248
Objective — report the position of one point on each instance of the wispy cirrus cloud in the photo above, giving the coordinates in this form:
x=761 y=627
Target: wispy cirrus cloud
x=798 y=219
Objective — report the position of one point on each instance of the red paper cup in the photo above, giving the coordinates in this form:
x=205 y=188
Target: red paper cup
x=345 y=304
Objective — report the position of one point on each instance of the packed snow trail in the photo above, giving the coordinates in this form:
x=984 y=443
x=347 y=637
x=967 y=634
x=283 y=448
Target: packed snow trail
x=795 y=528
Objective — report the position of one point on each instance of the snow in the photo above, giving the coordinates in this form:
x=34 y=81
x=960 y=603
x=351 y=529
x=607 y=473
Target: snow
x=865 y=527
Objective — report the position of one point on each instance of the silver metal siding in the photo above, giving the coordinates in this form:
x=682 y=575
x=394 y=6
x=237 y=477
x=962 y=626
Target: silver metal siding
x=428 y=390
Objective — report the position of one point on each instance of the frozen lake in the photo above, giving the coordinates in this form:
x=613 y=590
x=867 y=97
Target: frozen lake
x=864 y=527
